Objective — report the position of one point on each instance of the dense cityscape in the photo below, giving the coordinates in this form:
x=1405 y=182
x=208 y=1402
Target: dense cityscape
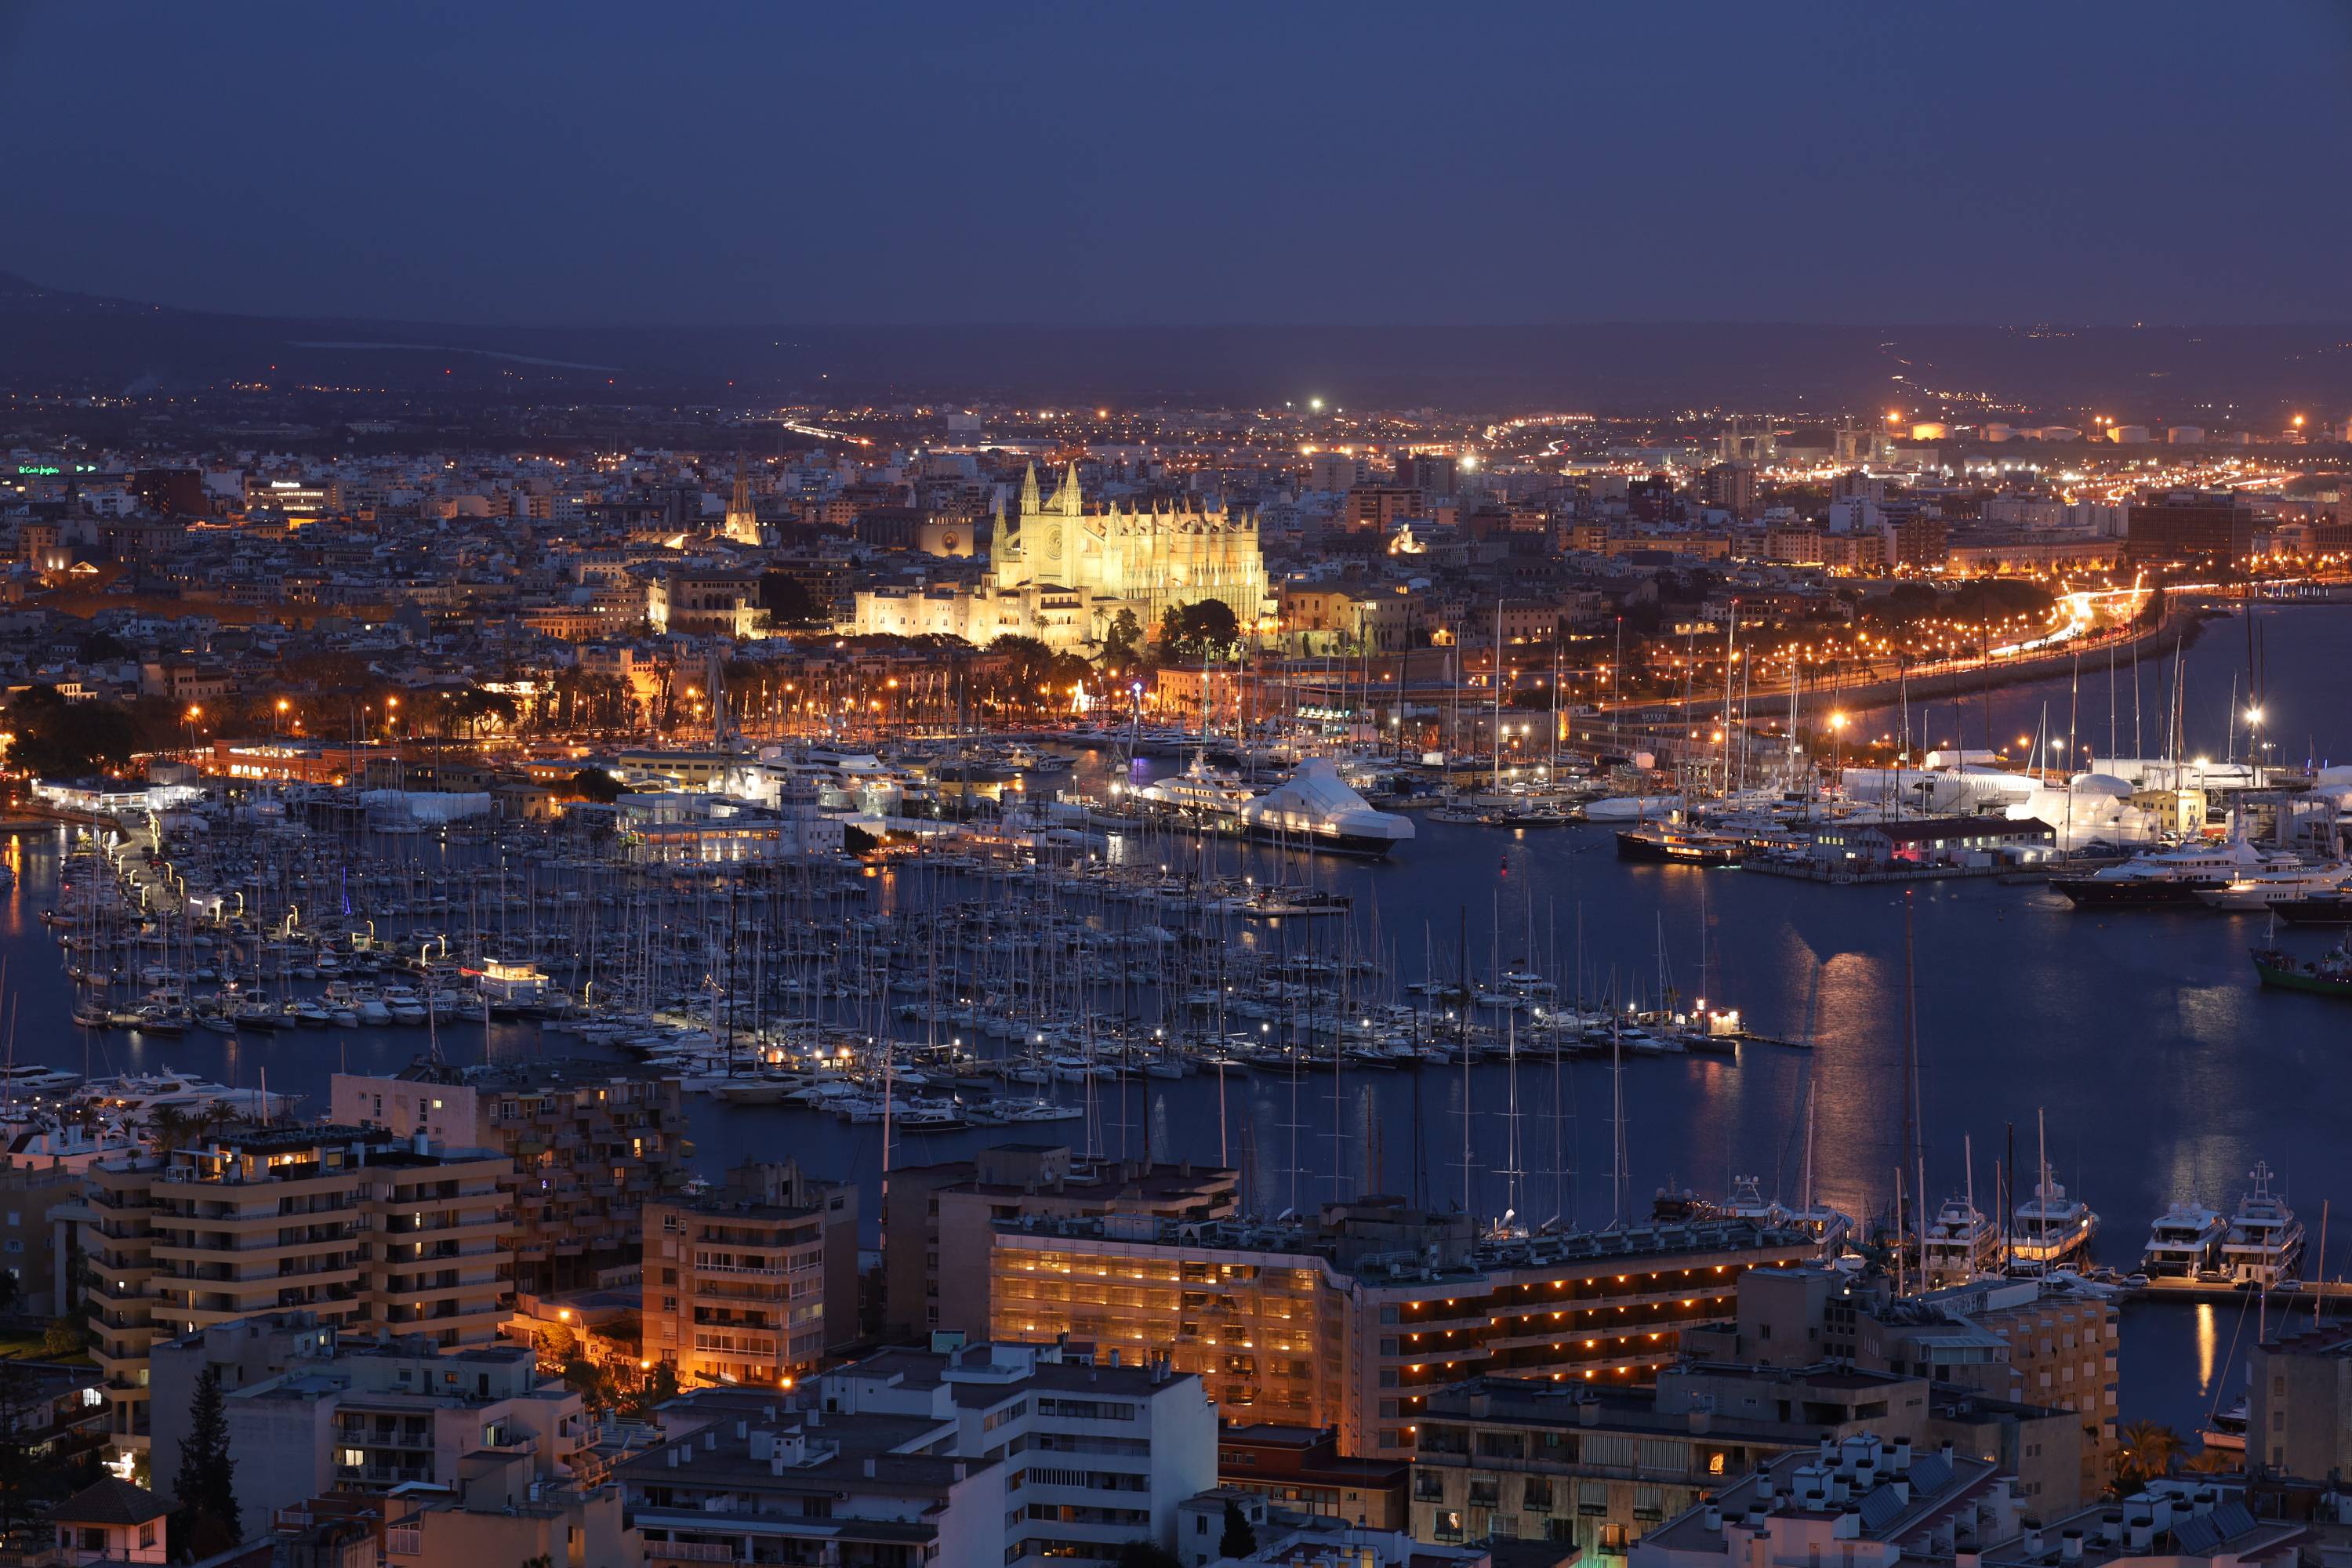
x=1148 y=942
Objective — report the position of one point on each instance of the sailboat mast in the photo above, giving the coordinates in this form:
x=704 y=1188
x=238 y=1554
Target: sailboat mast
x=1915 y=1154
x=1730 y=659
x=1494 y=679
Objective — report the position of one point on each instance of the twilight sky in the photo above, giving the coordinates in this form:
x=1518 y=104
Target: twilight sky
x=610 y=161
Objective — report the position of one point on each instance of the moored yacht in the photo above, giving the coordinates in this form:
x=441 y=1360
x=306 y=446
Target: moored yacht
x=2274 y=885
x=2266 y=1241
x=1200 y=791
x=33 y=1081
x=140 y=1095
x=2052 y=1230
x=2184 y=1242
x=1315 y=807
x=2173 y=877
x=1680 y=845
x=1963 y=1244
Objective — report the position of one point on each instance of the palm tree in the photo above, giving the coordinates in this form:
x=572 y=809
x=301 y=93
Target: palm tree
x=169 y=1126
x=2149 y=1450
x=2212 y=1461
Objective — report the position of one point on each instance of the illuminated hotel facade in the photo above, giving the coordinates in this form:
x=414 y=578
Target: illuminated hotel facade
x=1351 y=1322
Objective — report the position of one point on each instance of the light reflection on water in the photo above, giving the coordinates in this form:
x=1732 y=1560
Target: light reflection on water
x=2208 y=1343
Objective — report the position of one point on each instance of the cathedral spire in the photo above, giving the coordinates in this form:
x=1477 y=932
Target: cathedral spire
x=742 y=520
x=1029 y=489
x=1072 y=505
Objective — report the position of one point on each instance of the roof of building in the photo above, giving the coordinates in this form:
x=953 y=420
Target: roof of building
x=2334 y=1340
x=861 y=1452
x=984 y=1373
x=109 y=1502
x=2179 y=1518
x=1389 y=1250
x=1895 y=1493
x=1912 y=829
x=1538 y=1402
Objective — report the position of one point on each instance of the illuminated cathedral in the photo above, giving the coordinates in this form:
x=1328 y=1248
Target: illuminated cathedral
x=1061 y=571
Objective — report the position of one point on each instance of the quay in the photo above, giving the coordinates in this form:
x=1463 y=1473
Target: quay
x=1806 y=871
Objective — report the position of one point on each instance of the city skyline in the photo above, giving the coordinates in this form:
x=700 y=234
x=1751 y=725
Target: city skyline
x=1174 y=787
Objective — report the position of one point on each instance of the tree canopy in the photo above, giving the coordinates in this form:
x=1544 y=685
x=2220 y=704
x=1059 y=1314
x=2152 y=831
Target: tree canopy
x=788 y=601
x=1031 y=677
x=1122 y=641
x=1239 y=1537
x=58 y=739
x=1204 y=627
x=596 y=784
x=207 y=1521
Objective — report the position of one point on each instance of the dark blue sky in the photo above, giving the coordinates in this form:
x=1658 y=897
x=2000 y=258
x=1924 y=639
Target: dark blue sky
x=602 y=164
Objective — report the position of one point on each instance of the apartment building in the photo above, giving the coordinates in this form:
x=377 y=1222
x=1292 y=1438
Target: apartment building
x=1865 y=1502
x=751 y=1283
x=2018 y=1340
x=373 y=1416
x=1856 y=1501
x=1352 y=1321
x=1596 y=1469
x=937 y=1220
x=591 y=1143
x=2182 y=1523
x=1301 y=1470
x=503 y=1507
x=351 y=1223
x=36 y=1249
x=982 y=1454
x=2300 y=1392
x=244 y=1350
x=455 y=1457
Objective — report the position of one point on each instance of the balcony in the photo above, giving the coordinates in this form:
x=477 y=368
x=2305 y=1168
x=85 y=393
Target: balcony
x=381 y=1475
x=689 y=1552
x=728 y=1271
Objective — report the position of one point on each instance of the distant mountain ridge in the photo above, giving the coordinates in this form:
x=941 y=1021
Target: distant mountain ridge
x=2221 y=377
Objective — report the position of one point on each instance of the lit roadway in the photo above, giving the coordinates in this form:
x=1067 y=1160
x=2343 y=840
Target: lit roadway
x=2077 y=630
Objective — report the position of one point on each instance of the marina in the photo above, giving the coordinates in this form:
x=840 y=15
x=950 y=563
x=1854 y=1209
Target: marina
x=1515 y=1021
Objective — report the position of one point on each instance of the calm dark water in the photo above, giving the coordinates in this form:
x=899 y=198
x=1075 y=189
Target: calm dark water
x=2162 y=1069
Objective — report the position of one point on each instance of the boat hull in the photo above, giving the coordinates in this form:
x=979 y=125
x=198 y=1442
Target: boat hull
x=1676 y=852
x=2130 y=892
x=2320 y=911
x=2277 y=969
x=1365 y=845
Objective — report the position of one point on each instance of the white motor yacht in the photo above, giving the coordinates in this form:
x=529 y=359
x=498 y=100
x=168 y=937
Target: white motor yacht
x=2260 y=890
x=2184 y=1242
x=2173 y=877
x=1315 y=806
x=2051 y=1231
x=138 y=1096
x=1961 y=1245
x=33 y=1081
x=2266 y=1241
